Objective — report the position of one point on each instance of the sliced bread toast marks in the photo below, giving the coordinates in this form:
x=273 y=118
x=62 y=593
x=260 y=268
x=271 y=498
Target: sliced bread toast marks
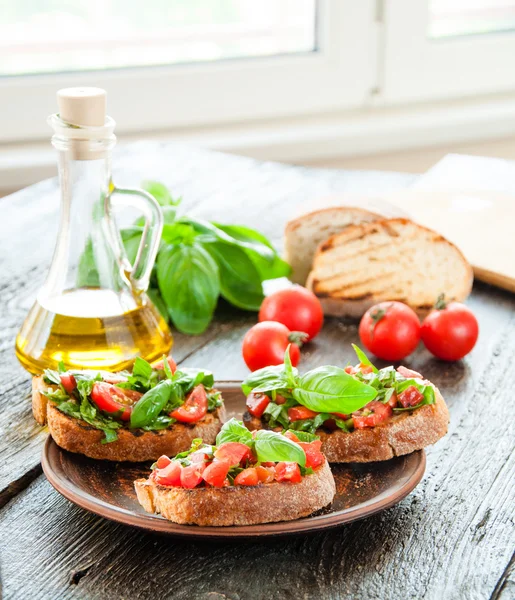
x=136 y=445
x=239 y=505
x=391 y=259
x=404 y=433
x=304 y=234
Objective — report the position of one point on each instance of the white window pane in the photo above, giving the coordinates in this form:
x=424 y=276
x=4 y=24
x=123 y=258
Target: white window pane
x=48 y=36
x=464 y=17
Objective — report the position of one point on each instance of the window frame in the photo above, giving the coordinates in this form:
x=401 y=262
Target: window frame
x=210 y=94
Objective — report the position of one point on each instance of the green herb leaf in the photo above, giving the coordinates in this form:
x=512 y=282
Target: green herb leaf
x=234 y=431
x=271 y=446
x=51 y=376
x=160 y=193
x=189 y=377
x=331 y=389
x=148 y=407
x=160 y=422
x=363 y=358
x=268 y=379
x=157 y=300
x=189 y=283
x=305 y=436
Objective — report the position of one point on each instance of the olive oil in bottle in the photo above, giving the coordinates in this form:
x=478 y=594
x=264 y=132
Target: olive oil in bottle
x=93 y=311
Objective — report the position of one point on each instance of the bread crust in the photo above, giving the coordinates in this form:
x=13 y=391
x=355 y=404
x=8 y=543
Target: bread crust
x=134 y=445
x=404 y=433
x=239 y=505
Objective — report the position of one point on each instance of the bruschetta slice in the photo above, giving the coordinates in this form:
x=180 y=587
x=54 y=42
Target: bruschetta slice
x=128 y=416
x=244 y=479
x=360 y=413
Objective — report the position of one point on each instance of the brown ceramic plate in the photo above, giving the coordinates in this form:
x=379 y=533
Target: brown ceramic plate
x=106 y=488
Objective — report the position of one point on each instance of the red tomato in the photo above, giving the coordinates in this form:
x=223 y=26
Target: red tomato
x=216 y=472
x=296 y=307
x=265 y=345
x=391 y=330
x=291 y=436
x=163 y=461
x=393 y=400
x=288 y=471
x=112 y=377
x=194 y=408
x=198 y=456
x=410 y=397
x=191 y=475
x=408 y=373
x=111 y=399
x=256 y=403
x=298 y=413
x=451 y=332
x=171 y=474
x=247 y=477
x=280 y=399
x=171 y=363
x=68 y=382
x=380 y=413
x=233 y=453
x=265 y=474
x=314 y=457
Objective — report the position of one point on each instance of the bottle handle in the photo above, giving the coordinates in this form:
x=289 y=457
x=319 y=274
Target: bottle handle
x=139 y=272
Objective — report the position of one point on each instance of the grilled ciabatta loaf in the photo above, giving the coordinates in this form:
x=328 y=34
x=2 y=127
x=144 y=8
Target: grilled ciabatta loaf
x=390 y=259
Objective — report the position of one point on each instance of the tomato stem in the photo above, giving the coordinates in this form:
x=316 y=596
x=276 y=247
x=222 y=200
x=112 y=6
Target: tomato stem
x=298 y=338
x=441 y=302
x=376 y=316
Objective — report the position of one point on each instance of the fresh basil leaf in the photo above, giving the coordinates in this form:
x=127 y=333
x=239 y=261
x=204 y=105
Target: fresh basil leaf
x=51 y=376
x=363 y=358
x=160 y=422
x=306 y=471
x=271 y=446
x=110 y=435
x=189 y=377
x=214 y=401
x=240 y=282
x=305 y=436
x=160 y=193
x=331 y=389
x=131 y=238
x=277 y=415
x=268 y=379
x=142 y=369
x=234 y=431
x=148 y=407
x=189 y=283
x=178 y=233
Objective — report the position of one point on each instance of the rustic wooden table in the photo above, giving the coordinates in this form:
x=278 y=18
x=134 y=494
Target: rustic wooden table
x=453 y=537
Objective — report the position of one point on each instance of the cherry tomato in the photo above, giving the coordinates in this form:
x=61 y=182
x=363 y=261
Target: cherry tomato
x=265 y=345
x=171 y=474
x=288 y=471
x=111 y=399
x=247 y=477
x=216 y=472
x=191 y=475
x=314 y=457
x=380 y=414
x=410 y=397
x=296 y=307
x=265 y=474
x=194 y=408
x=450 y=332
x=298 y=413
x=171 y=363
x=256 y=403
x=163 y=461
x=233 y=453
x=68 y=382
x=390 y=330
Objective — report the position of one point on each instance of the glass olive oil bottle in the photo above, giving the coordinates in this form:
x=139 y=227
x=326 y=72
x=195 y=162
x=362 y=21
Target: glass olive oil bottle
x=93 y=310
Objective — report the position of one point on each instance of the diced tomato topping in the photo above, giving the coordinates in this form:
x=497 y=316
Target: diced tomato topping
x=349 y=369
x=68 y=382
x=216 y=473
x=265 y=474
x=268 y=464
x=198 y=456
x=256 y=403
x=191 y=475
x=111 y=399
x=112 y=377
x=132 y=395
x=410 y=397
x=365 y=369
x=393 y=400
x=171 y=363
x=298 y=413
x=169 y=475
x=341 y=416
x=280 y=399
x=194 y=408
x=380 y=413
x=291 y=436
x=247 y=477
x=314 y=457
x=408 y=373
x=233 y=453
x=163 y=461
x=288 y=471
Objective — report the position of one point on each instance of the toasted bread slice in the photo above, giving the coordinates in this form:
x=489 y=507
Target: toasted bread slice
x=402 y=434
x=304 y=234
x=134 y=445
x=391 y=259
x=239 y=505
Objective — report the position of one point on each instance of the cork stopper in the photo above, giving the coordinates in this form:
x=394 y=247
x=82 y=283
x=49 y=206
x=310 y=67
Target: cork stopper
x=82 y=106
